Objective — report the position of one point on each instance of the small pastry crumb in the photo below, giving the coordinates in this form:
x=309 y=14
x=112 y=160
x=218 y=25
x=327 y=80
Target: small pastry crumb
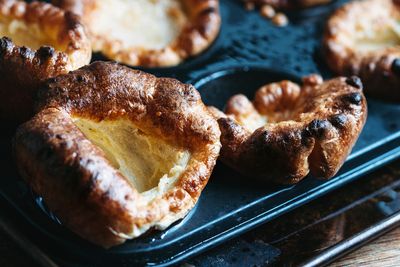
x=280 y=19
x=267 y=11
x=249 y=6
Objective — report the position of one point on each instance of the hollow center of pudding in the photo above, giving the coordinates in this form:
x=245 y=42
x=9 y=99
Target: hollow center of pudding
x=378 y=35
x=272 y=103
x=144 y=160
x=26 y=34
x=147 y=24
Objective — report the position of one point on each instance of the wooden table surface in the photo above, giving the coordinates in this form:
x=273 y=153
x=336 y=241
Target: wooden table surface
x=385 y=251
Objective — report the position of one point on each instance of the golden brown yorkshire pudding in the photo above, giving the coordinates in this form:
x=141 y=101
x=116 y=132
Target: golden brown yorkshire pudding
x=38 y=41
x=115 y=152
x=288 y=4
x=363 y=38
x=289 y=131
x=148 y=32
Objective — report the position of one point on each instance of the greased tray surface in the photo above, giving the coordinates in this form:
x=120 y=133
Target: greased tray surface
x=248 y=53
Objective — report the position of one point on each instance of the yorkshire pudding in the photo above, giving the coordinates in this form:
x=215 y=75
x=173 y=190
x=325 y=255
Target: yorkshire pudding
x=363 y=38
x=38 y=41
x=289 y=131
x=115 y=151
x=288 y=4
x=147 y=32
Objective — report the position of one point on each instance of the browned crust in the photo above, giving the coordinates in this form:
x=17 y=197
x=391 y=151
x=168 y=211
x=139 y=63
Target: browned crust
x=203 y=26
x=21 y=72
x=22 y=69
x=323 y=124
x=288 y=4
x=379 y=70
x=77 y=182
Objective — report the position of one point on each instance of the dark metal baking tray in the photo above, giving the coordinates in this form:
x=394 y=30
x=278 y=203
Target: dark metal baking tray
x=249 y=52
x=316 y=234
